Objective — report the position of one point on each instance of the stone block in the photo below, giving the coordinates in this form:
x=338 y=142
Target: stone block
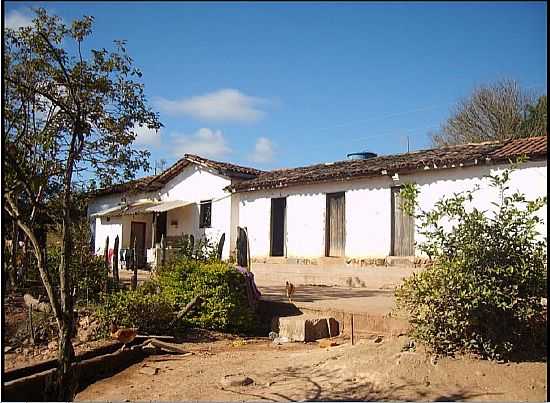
x=303 y=328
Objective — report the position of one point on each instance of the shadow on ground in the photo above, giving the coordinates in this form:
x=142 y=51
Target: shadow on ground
x=310 y=293
x=314 y=383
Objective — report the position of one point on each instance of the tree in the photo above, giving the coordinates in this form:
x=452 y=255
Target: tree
x=535 y=123
x=67 y=115
x=492 y=113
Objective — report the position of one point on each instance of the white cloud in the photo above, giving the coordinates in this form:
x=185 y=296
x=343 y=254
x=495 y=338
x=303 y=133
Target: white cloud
x=223 y=105
x=263 y=151
x=204 y=142
x=16 y=19
x=146 y=136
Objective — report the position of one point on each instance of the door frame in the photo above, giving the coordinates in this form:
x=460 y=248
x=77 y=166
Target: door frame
x=144 y=224
x=394 y=189
x=327 y=222
x=271 y=227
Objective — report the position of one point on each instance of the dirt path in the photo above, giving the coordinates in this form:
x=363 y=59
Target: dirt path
x=366 y=371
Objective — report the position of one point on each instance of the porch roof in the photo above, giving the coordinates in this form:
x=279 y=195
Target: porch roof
x=142 y=207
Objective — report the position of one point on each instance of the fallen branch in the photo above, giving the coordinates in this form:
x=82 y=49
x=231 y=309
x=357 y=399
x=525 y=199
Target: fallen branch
x=166 y=346
x=195 y=301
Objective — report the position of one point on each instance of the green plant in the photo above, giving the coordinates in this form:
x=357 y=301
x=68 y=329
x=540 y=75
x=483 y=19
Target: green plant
x=225 y=304
x=204 y=249
x=150 y=313
x=88 y=273
x=483 y=292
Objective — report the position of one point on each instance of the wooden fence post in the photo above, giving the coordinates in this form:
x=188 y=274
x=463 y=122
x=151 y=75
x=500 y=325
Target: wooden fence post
x=248 y=258
x=106 y=259
x=115 y=263
x=134 y=263
x=162 y=250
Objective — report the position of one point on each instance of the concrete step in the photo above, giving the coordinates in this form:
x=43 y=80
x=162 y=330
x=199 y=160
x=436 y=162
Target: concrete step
x=305 y=327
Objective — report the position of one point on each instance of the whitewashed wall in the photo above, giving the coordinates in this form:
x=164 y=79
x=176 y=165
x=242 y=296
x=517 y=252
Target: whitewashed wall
x=195 y=183
x=368 y=207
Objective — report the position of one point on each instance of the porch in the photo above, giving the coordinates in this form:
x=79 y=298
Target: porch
x=142 y=225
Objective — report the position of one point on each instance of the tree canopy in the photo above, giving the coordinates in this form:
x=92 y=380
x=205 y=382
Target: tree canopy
x=67 y=112
x=492 y=112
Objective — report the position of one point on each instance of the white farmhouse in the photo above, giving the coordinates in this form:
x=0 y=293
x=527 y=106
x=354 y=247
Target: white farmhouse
x=351 y=209
x=347 y=209
x=186 y=199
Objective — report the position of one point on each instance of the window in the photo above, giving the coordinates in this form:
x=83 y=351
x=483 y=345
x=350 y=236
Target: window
x=205 y=218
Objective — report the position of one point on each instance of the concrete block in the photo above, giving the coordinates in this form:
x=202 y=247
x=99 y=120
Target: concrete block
x=304 y=328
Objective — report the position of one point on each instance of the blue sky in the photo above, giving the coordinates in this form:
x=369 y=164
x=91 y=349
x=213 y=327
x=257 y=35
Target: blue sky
x=275 y=85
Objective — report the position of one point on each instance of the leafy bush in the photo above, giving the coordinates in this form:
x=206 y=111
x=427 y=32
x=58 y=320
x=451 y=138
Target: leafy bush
x=223 y=290
x=483 y=292
x=204 y=249
x=150 y=313
x=89 y=274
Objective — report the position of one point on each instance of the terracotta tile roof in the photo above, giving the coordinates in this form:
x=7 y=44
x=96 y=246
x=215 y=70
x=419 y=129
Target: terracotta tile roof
x=136 y=185
x=155 y=182
x=224 y=168
x=531 y=146
x=448 y=157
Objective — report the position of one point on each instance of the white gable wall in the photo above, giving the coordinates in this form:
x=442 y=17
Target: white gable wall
x=368 y=207
x=195 y=184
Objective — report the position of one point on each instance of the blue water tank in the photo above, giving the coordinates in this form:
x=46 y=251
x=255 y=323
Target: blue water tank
x=364 y=155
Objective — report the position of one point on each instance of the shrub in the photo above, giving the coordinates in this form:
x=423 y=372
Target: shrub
x=483 y=292
x=223 y=290
x=150 y=313
x=204 y=249
x=88 y=272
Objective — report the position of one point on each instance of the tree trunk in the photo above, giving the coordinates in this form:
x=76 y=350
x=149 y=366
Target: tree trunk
x=66 y=381
x=12 y=268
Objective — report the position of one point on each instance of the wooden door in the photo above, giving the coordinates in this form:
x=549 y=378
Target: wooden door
x=336 y=225
x=278 y=213
x=160 y=227
x=137 y=233
x=402 y=235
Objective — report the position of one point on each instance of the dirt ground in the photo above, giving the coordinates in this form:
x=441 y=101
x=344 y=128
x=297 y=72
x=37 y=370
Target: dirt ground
x=369 y=370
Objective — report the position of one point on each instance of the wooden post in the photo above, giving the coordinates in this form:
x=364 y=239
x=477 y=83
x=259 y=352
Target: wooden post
x=134 y=263
x=352 y=332
x=106 y=259
x=115 y=262
x=162 y=250
x=31 y=328
x=248 y=258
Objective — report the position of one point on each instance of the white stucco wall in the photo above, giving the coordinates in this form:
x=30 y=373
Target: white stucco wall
x=195 y=184
x=368 y=207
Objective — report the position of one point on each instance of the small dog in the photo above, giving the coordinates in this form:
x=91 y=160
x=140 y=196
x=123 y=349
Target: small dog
x=289 y=291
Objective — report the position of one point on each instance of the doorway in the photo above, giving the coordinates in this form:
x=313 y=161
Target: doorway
x=402 y=227
x=335 y=240
x=137 y=238
x=160 y=227
x=278 y=215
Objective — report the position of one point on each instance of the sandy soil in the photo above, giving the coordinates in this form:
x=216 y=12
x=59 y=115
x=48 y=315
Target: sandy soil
x=297 y=371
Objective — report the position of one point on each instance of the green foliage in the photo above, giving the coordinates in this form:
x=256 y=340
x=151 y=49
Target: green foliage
x=409 y=193
x=536 y=121
x=483 y=293
x=203 y=250
x=88 y=275
x=222 y=288
x=150 y=313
